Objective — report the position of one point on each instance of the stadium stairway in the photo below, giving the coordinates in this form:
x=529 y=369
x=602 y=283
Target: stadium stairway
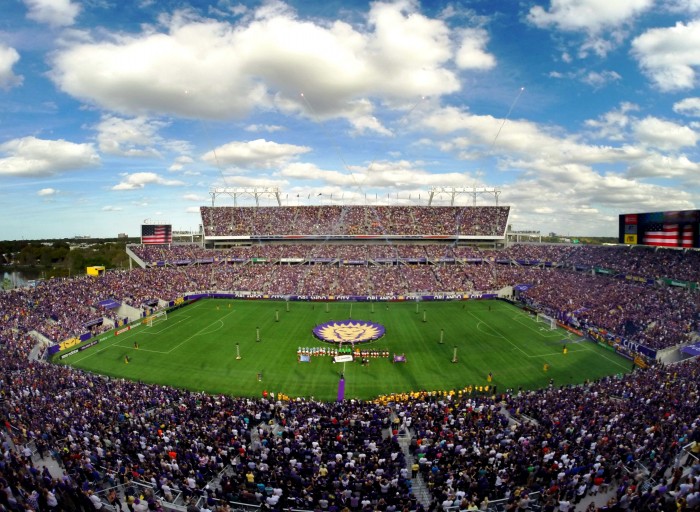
x=418 y=486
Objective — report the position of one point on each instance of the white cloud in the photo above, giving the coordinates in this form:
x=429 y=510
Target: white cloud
x=111 y=208
x=669 y=56
x=270 y=128
x=683 y=6
x=194 y=197
x=180 y=163
x=613 y=125
x=233 y=180
x=599 y=79
x=8 y=58
x=563 y=169
x=596 y=79
x=30 y=156
x=400 y=174
x=587 y=15
x=267 y=59
x=44 y=192
x=688 y=107
x=135 y=137
x=193 y=209
x=56 y=13
x=661 y=134
x=603 y=22
x=471 y=54
x=139 y=180
x=258 y=153
x=655 y=166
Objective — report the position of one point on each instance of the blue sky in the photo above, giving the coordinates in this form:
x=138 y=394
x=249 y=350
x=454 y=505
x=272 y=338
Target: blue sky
x=113 y=112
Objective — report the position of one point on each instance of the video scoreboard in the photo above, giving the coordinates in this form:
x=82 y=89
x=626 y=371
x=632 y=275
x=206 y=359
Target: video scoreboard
x=661 y=229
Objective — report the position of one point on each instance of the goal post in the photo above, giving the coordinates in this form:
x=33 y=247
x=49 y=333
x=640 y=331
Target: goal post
x=155 y=318
x=546 y=319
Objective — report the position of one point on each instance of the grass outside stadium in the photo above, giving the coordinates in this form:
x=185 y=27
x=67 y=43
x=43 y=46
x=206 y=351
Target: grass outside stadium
x=495 y=343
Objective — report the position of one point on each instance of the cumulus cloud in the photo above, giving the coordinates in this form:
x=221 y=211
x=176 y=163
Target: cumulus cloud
x=260 y=153
x=471 y=53
x=589 y=15
x=600 y=197
x=180 y=163
x=136 y=137
x=44 y=192
x=56 y=13
x=662 y=134
x=670 y=56
x=268 y=58
x=30 y=156
x=688 y=107
x=400 y=174
x=663 y=166
x=139 y=180
x=236 y=180
x=613 y=125
x=602 y=21
x=8 y=58
x=544 y=153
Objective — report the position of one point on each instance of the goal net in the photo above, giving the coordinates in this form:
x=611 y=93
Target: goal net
x=156 y=318
x=546 y=319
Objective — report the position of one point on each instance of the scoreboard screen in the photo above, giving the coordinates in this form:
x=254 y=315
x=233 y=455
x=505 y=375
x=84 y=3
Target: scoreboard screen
x=156 y=234
x=661 y=229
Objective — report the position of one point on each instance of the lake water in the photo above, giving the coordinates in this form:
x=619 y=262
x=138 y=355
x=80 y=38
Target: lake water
x=19 y=278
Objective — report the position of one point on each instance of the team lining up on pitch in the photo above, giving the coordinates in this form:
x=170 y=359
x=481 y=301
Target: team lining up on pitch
x=179 y=340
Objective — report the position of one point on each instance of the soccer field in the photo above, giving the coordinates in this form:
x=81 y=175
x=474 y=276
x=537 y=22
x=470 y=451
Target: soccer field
x=195 y=348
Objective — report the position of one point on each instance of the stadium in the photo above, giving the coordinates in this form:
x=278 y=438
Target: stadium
x=356 y=357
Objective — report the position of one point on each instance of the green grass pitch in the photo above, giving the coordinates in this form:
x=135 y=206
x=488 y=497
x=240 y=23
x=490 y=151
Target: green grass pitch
x=195 y=348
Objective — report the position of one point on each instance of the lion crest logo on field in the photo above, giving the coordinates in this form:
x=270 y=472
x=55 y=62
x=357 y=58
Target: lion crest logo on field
x=349 y=331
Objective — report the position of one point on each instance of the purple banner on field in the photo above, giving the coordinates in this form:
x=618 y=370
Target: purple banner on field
x=341 y=390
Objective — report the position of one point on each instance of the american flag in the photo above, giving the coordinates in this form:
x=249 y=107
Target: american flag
x=156 y=234
x=668 y=235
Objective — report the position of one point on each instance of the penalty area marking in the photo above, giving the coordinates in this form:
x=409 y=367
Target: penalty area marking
x=478 y=328
x=198 y=333
x=221 y=326
x=506 y=339
x=168 y=325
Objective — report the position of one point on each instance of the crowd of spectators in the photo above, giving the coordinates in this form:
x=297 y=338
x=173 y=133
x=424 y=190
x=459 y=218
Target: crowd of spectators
x=355 y=220
x=639 y=261
x=568 y=442
x=642 y=261
x=654 y=315
x=560 y=443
